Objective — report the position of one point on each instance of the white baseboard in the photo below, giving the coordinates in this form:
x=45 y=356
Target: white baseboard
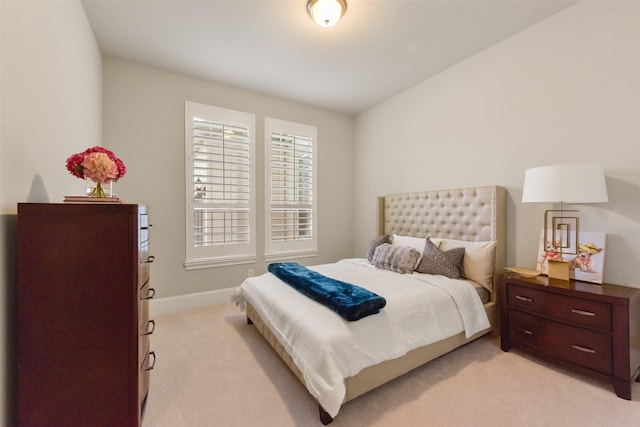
x=189 y=301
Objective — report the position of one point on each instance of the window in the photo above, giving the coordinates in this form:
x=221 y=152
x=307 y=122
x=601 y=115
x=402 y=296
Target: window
x=291 y=212
x=219 y=148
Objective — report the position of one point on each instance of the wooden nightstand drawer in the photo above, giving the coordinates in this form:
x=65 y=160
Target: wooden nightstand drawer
x=583 y=347
x=575 y=310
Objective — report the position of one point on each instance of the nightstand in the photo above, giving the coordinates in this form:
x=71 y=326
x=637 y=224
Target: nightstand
x=590 y=328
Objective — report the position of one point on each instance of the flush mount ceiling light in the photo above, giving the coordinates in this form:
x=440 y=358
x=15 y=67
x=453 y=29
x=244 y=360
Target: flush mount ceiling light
x=326 y=13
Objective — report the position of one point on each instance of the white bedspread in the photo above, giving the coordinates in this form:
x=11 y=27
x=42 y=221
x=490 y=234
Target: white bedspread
x=421 y=309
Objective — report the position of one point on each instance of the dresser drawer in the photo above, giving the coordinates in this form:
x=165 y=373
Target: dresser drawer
x=145 y=372
x=144 y=340
x=143 y=349
x=146 y=294
x=144 y=258
x=588 y=313
x=583 y=347
x=143 y=264
x=143 y=229
x=145 y=326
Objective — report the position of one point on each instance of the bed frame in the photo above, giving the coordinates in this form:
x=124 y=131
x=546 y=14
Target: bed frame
x=471 y=214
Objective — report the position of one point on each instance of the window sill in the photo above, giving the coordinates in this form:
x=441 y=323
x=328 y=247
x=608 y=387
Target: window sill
x=282 y=256
x=212 y=263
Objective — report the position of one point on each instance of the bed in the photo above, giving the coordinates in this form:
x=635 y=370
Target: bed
x=474 y=218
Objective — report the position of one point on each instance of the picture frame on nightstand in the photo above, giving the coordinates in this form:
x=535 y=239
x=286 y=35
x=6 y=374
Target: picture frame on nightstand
x=586 y=261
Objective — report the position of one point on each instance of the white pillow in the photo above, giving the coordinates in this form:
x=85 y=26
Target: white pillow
x=413 y=242
x=478 y=260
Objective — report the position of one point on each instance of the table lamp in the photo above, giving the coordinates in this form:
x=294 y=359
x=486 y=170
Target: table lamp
x=568 y=183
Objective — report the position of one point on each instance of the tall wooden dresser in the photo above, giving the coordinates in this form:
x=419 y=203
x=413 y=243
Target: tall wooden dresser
x=83 y=327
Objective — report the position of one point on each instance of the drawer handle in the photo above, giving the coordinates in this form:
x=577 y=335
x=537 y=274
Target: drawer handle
x=582 y=312
x=146 y=359
x=525 y=331
x=150 y=258
x=150 y=294
x=526 y=299
x=153 y=327
x=584 y=349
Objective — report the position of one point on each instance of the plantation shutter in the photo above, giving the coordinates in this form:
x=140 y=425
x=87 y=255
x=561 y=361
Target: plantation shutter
x=220 y=181
x=291 y=189
x=221 y=185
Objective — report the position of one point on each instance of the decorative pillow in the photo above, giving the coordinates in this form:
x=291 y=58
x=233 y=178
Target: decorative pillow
x=375 y=243
x=478 y=262
x=447 y=263
x=401 y=259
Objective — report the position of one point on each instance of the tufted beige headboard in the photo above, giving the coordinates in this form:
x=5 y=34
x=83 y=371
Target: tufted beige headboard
x=473 y=214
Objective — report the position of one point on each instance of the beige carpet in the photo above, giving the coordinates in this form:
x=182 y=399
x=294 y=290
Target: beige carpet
x=215 y=370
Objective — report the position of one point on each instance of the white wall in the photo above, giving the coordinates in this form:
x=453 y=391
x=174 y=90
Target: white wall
x=51 y=107
x=566 y=90
x=144 y=125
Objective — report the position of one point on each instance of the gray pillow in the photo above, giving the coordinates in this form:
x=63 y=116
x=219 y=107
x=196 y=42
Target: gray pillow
x=401 y=259
x=447 y=263
x=375 y=243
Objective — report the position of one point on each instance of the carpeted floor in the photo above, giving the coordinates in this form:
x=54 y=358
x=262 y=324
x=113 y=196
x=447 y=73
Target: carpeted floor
x=215 y=370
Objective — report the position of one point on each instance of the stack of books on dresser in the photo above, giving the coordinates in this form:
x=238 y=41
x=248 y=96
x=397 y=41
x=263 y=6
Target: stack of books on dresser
x=89 y=199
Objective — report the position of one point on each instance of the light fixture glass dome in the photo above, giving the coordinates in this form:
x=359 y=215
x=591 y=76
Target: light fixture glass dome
x=326 y=13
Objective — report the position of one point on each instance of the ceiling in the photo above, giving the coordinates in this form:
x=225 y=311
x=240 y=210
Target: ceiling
x=273 y=47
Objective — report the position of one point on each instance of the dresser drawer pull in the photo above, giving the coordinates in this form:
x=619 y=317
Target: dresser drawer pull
x=526 y=299
x=150 y=258
x=150 y=330
x=150 y=294
x=146 y=361
x=582 y=312
x=584 y=349
x=525 y=331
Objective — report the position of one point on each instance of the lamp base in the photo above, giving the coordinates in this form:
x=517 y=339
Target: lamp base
x=558 y=270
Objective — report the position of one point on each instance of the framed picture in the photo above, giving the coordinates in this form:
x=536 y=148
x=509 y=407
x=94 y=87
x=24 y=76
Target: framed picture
x=586 y=261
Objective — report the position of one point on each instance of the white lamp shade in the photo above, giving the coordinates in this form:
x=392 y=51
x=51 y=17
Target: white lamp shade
x=571 y=183
x=326 y=13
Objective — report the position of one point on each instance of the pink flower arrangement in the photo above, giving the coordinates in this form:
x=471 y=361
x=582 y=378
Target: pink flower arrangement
x=97 y=164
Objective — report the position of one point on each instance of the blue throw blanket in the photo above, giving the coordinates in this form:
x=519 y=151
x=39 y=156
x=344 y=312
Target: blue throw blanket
x=349 y=301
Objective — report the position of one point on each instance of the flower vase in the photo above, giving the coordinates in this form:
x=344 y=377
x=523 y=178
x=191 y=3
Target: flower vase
x=97 y=189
